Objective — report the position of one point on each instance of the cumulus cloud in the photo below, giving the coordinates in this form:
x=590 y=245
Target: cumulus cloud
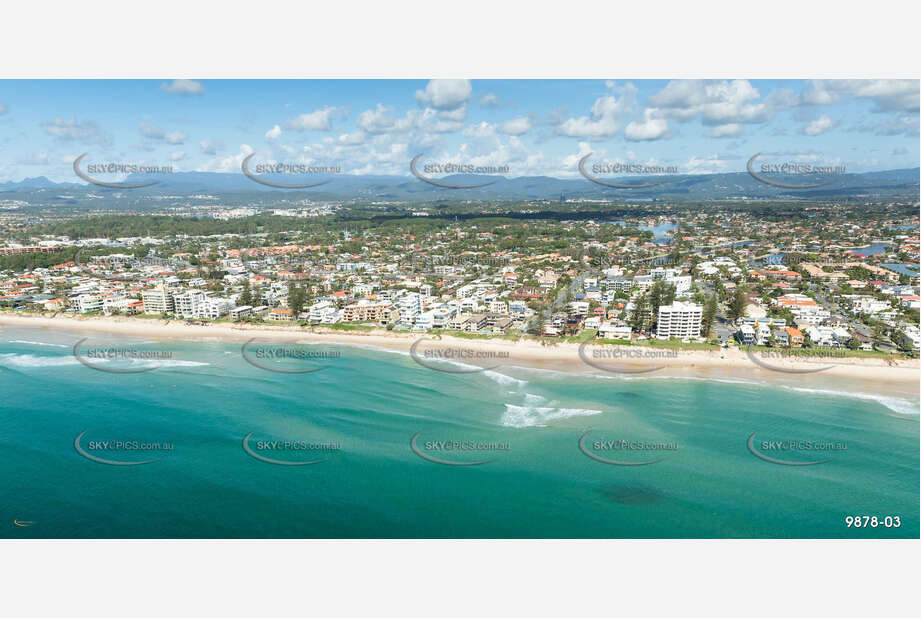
x=605 y=118
x=378 y=120
x=822 y=124
x=210 y=146
x=516 y=126
x=3 y=108
x=445 y=93
x=72 y=130
x=712 y=164
x=176 y=156
x=715 y=102
x=489 y=100
x=902 y=124
x=273 y=132
x=652 y=128
x=182 y=86
x=725 y=130
x=229 y=163
x=319 y=120
x=154 y=132
x=888 y=94
x=481 y=130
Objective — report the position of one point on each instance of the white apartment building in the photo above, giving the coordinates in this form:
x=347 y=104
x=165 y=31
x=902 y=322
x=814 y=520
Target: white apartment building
x=186 y=303
x=113 y=303
x=213 y=308
x=320 y=310
x=611 y=330
x=84 y=303
x=679 y=320
x=158 y=300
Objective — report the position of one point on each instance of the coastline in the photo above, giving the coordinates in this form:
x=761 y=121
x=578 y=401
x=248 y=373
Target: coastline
x=873 y=376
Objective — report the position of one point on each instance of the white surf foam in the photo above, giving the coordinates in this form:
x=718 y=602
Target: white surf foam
x=898 y=405
x=539 y=416
x=42 y=343
x=30 y=360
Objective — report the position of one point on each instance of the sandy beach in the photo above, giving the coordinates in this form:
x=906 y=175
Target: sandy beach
x=874 y=376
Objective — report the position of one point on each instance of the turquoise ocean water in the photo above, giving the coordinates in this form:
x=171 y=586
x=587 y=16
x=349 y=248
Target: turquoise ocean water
x=368 y=404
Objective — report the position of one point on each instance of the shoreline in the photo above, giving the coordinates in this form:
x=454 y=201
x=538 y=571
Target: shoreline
x=856 y=375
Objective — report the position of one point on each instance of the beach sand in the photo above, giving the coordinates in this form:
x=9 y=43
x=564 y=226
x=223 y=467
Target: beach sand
x=878 y=377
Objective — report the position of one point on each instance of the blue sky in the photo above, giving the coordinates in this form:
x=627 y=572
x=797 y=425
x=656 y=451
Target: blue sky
x=535 y=127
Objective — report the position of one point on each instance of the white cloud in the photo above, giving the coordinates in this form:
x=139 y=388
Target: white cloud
x=902 y=124
x=154 y=132
x=319 y=120
x=489 y=100
x=209 y=146
x=72 y=130
x=229 y=163
x=445 y=93
x=182 y=86
x=715 y=102
x=704 y=165
x=352 y=139
x=605 y=116
x=652 y=128
x=725 y=130
x=174 y=137
x=3 y=108
x=888 y=94
x=822 y=124
x=458 y=114
x=481 y=130
x=176 y=156
x=516 y=126
x=273 y=132
x=378 y=120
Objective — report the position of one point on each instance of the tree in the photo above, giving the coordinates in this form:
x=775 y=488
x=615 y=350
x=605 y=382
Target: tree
x=640 y=309
x=737 y=305
x=661 y=294
x=297 y=298
x=246 y=297
x=710 y=309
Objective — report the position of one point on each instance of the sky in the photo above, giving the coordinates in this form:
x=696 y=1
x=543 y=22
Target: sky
x=535 y=127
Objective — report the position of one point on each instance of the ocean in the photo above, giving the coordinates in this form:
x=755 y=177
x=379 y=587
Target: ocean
x=548 y=454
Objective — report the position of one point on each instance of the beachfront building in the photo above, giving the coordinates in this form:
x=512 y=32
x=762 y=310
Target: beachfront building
x=185 y=304
x=279 y=315
x=746 y=334
x=364 y=310
x=213 y=308
x=84 y=303
x=679 y=320
x=611 y=330
x=158 y=300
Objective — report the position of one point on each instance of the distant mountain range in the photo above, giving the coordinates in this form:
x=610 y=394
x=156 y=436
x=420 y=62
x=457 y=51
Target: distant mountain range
x=892 y=183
